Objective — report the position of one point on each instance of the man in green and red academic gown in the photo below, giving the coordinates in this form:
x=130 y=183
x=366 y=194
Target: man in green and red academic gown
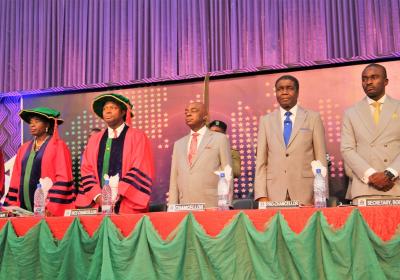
x=119 y=149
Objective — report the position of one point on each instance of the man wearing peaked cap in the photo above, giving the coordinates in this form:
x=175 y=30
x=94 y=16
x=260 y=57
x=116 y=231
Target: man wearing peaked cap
x=220 y=126
x=118 y=149
x=36 y=160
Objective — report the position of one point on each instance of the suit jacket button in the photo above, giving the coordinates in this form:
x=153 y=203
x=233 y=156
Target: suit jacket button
x=287 y=155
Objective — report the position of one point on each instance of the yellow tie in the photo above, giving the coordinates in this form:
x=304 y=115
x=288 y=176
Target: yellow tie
x=377 y=111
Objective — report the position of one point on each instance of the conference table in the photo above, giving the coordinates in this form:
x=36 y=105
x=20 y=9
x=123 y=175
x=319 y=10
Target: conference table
x=300 y=243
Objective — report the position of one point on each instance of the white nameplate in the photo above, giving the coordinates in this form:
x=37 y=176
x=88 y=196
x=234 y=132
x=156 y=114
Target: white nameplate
x=18 y=211
x=379 y=202
x=81 y=212
x=3 y=214
x=186 y=207
x=278 y=204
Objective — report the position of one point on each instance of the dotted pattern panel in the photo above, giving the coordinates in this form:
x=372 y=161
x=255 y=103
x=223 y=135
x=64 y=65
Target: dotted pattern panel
x=239 y=102
x=153 y=107
x=148 y=116
x=244 y=139
x=330 y=114
x=159 y=113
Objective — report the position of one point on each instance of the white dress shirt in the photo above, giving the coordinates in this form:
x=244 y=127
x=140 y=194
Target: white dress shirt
x=292 y=116
x=119 y=131
x=371 y=102
x=201 y=133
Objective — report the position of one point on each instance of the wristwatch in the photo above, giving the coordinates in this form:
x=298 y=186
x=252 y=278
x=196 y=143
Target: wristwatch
x=389 y=175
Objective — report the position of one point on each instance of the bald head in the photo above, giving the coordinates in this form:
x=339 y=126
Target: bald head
x=195 y=115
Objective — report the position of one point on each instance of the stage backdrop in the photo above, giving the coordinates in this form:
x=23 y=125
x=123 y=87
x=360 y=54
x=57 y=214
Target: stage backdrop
x=159 y=111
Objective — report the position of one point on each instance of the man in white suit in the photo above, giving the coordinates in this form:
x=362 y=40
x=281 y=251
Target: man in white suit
x=370 y=142
x=195 y=158
x=289 y=139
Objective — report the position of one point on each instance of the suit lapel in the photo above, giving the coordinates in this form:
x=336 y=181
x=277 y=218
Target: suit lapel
x=364 y=112
x=387 y=110
x=298 y=122
x=204 y=141
x=184 y=147
x=277 y=126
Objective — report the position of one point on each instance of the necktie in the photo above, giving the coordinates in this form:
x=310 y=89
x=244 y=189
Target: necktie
x=377 y=111
x=115 y=133
x=287 y=128
x=193 y=147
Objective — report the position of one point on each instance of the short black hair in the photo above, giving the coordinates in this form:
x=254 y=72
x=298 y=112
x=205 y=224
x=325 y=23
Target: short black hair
x=95 y=129
x=376 y=65
x=291 y=78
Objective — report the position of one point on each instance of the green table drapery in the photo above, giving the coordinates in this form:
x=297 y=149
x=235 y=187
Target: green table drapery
x=238 y=252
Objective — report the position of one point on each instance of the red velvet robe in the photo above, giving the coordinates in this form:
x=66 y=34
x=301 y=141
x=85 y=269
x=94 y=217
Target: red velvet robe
x=135 y=184
x=57 y=165
x=1 y=174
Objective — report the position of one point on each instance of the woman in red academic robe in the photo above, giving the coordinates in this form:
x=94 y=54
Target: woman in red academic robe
x=46 y=155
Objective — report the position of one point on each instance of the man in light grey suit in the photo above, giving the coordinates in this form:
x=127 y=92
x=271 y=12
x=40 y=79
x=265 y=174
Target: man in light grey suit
x=194 y=160
x=289 y=139
x=370 y=142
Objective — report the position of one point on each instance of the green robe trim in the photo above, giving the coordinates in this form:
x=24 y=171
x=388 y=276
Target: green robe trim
x=106 y=159
x=27 y=177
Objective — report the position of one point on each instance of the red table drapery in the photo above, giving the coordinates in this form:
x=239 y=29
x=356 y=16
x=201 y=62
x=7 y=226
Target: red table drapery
x=384 y=221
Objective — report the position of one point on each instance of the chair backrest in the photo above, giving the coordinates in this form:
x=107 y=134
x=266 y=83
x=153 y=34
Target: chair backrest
x=158 y=208
x=244 y=204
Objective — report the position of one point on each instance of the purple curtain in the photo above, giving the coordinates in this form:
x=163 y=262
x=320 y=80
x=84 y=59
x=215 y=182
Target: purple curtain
x=64 y=43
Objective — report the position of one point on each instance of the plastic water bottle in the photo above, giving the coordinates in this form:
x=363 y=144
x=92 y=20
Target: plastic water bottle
x=319 y=190
x=106 y=194
x=223 y=192
x=38 y=201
